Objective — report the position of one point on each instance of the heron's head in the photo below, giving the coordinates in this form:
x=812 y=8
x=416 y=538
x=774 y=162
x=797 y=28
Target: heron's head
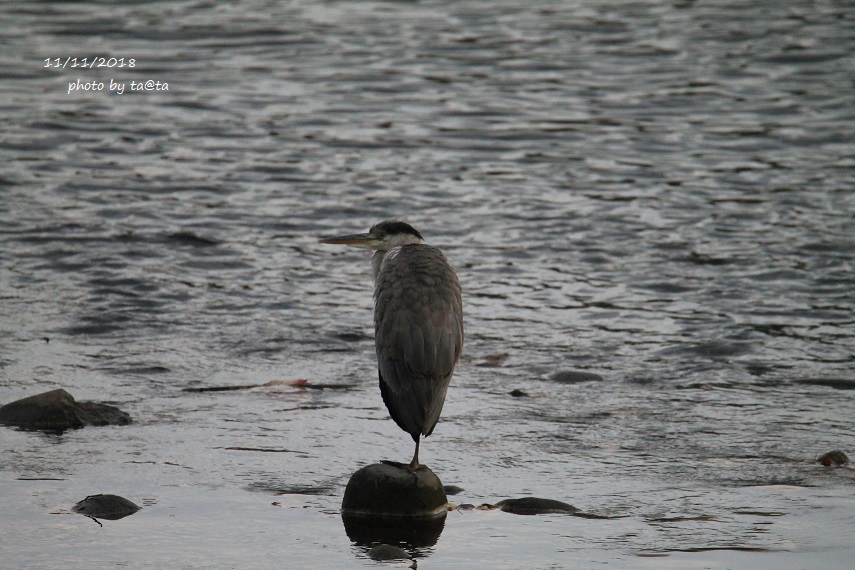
x=382 y=236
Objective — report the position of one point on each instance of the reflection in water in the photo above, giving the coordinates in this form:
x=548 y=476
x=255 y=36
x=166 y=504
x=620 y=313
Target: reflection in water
x=415 y=536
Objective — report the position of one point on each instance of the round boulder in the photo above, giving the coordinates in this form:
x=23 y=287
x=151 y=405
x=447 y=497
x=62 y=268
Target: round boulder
x=393 y=490
x=390 y=503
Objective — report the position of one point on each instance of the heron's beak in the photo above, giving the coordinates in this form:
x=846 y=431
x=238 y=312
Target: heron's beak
x=358 y=240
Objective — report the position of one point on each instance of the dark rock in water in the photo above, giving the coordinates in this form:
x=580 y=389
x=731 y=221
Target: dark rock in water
x=57 y=411
x=393 y=490
x=574 y=377
x=388 y=552
x=452 y=489
x=534 y=506
x=834 y=459
x=110 y=507
x=388 y=502
x=517 y=393
x=98 y=414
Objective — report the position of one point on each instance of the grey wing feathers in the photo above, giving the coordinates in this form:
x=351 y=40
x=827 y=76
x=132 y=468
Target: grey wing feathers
x=418 y=334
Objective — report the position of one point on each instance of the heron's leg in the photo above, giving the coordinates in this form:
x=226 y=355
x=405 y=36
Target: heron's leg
x=414 y=464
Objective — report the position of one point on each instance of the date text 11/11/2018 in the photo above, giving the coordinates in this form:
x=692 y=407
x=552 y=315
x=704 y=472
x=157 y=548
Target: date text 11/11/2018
x=89 y=63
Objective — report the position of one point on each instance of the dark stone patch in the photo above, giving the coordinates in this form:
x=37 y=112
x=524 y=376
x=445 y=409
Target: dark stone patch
x=57 y=411
x=574 y=377
x=110 y=507
x=834 y=458
x=535 y=506
x=452 y=489
x=517 y=393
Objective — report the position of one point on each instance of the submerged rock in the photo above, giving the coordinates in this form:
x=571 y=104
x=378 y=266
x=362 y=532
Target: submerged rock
x=834 y=458
x=574 y=377
x=393 y=490
x=535 y=506
x=110 y=507
x=388 y=552
x=58 y=411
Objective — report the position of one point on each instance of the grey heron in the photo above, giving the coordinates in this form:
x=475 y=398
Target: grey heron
x=418 y=324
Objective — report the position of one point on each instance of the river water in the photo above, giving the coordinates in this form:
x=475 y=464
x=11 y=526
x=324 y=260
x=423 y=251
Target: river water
x=659 y=193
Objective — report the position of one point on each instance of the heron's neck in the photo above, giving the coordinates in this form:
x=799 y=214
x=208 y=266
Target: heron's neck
x=377 y=263
x=394 y=246
x=379 y=257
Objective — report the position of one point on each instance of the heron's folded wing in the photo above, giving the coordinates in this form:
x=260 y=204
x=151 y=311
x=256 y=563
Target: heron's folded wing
x=418 y=322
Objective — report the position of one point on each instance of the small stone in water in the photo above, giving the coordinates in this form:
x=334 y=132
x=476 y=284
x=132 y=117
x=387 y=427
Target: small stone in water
x=574 y=377
x=388 y=552
x=834 y=458
x=534 y=506
x=517 y=393
x=110 y=507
